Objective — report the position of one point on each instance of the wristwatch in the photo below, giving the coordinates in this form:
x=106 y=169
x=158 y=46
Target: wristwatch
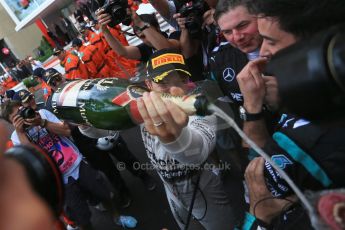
x=43 y=123
x=245 y=116
x=144 y=27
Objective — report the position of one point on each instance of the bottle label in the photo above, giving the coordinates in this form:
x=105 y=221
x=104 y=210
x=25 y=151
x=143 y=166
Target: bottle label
x=72 y=101
x=69 y=95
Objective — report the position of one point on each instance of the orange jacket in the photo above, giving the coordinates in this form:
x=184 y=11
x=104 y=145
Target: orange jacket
x=74 y=68
x=95 y=62
x=133 y=5
x=46 y=90
x=96 y=40
x=9 y=83
x=120 y=36
x=128 y=67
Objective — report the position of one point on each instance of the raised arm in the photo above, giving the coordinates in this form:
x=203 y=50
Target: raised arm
x=130 y=52
x=154 y=36
x=252 y=87
x=162 y=6
x=189 y=46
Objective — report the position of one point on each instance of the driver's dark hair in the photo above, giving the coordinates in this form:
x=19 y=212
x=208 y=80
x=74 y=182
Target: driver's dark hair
x=6 y=109
x=302 y=18
x=223 y=6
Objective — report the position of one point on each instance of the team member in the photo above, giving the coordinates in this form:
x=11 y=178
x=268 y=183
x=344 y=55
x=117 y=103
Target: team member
x=93 y=59
x=74 y=68
x=296 y=139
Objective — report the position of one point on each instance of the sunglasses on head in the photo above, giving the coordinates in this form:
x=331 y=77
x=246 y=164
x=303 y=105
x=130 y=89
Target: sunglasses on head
x=55 y=79
x=31 y=97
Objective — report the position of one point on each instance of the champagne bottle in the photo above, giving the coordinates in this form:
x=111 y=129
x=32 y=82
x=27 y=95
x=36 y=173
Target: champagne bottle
x=110 y=103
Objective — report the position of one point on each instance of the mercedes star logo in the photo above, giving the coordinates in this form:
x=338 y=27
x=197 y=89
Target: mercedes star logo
x=229 y=74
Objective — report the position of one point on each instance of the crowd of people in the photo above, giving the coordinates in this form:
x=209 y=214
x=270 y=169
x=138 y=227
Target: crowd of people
x=235 y=41
x=16 y=73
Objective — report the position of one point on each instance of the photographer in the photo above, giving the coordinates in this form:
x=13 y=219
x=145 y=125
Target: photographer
x=167 y=9
x=17 y=197
x=312 y=156
x=27 y=99
x=43 y=129
x=146 y=27
x=199 y=35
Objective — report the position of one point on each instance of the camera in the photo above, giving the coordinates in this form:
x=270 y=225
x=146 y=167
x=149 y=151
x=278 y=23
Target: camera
x=26 y=113
x=117 y=9
x=194 y=11
x=311 y=76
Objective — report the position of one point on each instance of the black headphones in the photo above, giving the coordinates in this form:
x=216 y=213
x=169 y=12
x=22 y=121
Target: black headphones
x=43 y=174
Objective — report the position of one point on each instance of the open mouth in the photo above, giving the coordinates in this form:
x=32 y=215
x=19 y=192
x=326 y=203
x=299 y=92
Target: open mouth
x=339 y=213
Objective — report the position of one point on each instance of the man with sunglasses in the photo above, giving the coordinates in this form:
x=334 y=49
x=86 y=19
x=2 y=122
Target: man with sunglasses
x=26 y=98
x=55 y=79
x=38 y=75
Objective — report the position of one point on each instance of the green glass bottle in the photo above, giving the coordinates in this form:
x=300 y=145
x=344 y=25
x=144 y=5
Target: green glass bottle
x=110 y=103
